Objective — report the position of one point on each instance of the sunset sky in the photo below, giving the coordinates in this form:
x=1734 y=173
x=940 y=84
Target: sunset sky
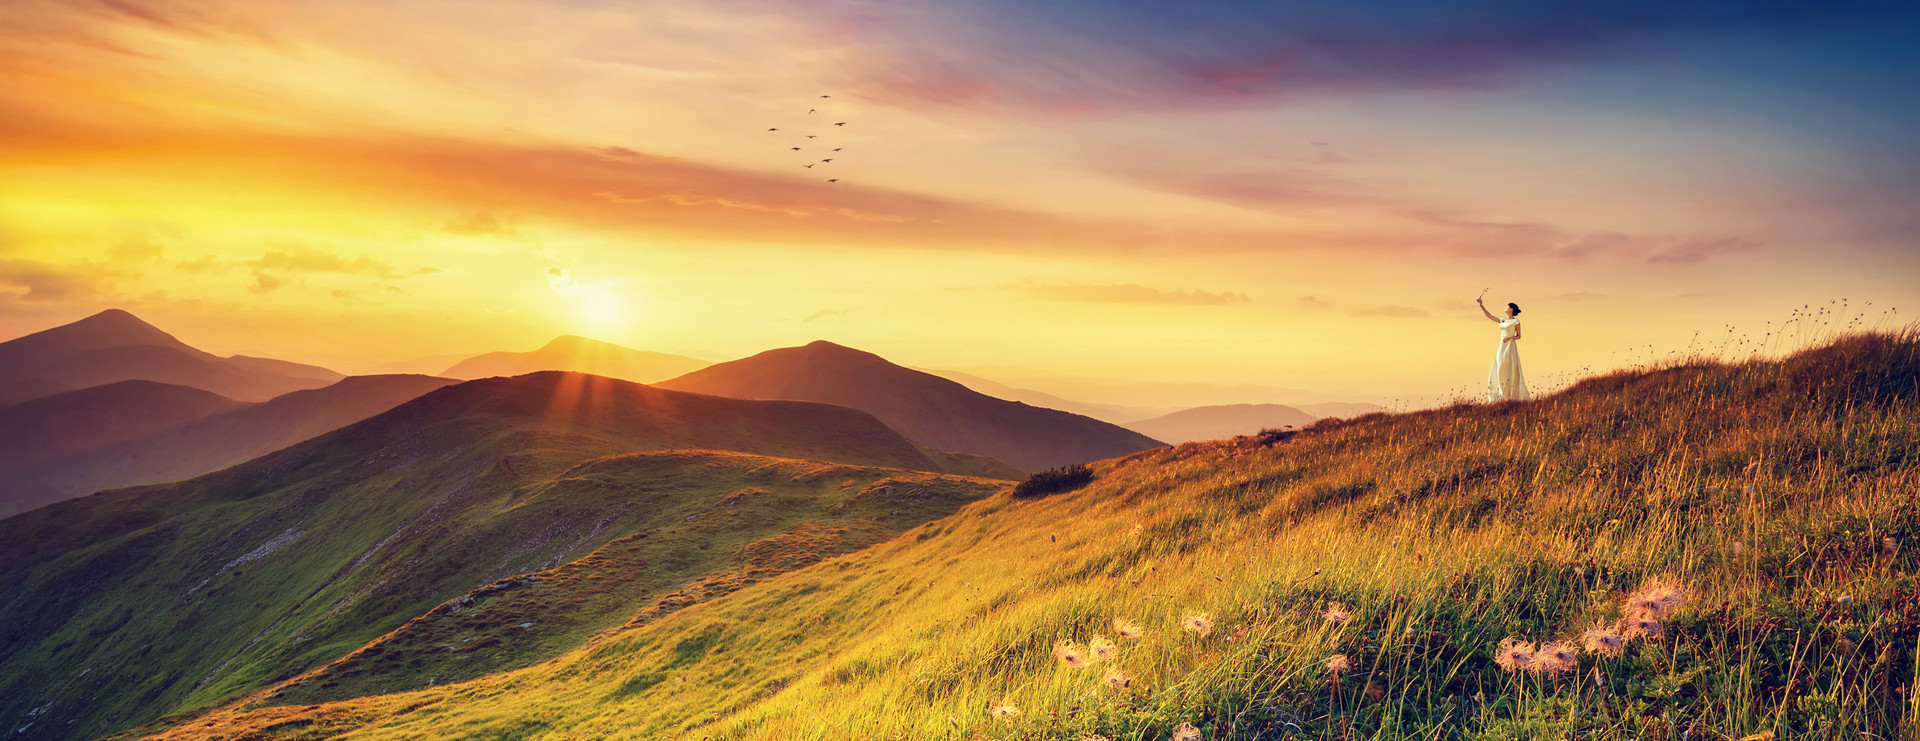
x=1290 y=194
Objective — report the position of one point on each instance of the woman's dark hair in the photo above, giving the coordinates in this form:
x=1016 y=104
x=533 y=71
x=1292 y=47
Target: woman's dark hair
x=1515 y=307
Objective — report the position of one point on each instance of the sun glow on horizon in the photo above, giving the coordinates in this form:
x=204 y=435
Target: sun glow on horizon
x=601 y=308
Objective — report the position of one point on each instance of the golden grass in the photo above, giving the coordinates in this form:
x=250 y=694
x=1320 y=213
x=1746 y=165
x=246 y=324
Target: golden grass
x=1705 y=550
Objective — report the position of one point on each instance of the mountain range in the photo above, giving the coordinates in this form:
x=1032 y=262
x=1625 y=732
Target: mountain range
x=479 y=527
x=114 y=346
x=928 y=409
x=142 y=432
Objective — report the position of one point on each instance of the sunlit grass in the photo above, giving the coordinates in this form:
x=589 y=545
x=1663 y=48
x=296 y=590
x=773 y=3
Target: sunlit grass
x=1704 y=550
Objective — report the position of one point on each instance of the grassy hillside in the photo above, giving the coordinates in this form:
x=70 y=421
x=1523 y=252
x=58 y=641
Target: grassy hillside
x=123 y=605
x=1743 y=534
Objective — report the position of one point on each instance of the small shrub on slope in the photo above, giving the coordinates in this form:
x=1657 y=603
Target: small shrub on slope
x=1054 y=481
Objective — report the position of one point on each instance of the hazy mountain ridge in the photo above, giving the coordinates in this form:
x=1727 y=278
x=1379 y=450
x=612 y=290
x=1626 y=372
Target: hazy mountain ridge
x=1114 y=413
x=580 y=355
x=205 y=444
x=51 y=427
x=114 y=346
x=934 y=411
x=1217 y=422
x=175 y=595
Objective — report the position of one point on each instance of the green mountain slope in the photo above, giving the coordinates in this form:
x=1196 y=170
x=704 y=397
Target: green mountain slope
x=122 y=605
x=1743 y=531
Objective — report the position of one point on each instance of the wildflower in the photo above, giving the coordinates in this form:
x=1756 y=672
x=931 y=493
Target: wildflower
x=1127 y=629
x=1890 y=546
x=1844 y=599
x=1094 y=737
x=1657 y=600
x=1069 y=654
x=1117 y=680
x=1003 y=710
x=1580 y=571
x=1639 y=626
x=1185 y=732
x=1102 y=649
x=1602 y=639
x=1739 y=548
x=1339 y=663
x=1555 y=657
x=1513 y=654
x=1197 y=623
x=1337 y=613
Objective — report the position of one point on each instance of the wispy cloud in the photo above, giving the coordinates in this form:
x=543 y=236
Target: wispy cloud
x=822 y=314
x=1130 y=293
x=1700 y=250
x=1392 y=311
x=36 y=280
x=295 y=257
x=480 y=223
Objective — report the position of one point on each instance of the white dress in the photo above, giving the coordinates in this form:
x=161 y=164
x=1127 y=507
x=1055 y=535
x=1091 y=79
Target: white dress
x=1506 y=382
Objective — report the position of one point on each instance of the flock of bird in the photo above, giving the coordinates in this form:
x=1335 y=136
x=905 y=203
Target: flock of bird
x=826 y=160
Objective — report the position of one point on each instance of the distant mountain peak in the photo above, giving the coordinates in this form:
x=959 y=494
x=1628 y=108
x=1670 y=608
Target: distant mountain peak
x=933 y=411
x=571 y=340
x=115 y=327
x=582 y=354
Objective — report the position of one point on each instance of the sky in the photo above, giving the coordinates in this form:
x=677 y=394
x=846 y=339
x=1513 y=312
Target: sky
x=1074 y=196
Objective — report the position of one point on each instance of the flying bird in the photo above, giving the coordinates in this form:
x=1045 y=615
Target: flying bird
x=833 y=180
x=808 y=166
x=826 y=96
x=809 y=111
x=829 y=159
x=796 y=149
x=836 y=149
x=842 y=123
x=773 y=129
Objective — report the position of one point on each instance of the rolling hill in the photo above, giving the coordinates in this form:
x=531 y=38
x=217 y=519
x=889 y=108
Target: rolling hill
x=928 y=409
x=1705 y=550
x=522 y=513
x=183 y=448
x=580 y=355
x=1217 y=422
x=114 y=346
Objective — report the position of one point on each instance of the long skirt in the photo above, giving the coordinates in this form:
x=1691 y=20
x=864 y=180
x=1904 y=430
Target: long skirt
x=1506 y=382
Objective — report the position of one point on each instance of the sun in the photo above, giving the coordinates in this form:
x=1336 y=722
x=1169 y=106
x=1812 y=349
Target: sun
x=601 y=307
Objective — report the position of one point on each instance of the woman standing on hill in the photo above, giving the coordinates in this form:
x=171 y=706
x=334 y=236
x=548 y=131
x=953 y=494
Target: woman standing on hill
x=1505 y=382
